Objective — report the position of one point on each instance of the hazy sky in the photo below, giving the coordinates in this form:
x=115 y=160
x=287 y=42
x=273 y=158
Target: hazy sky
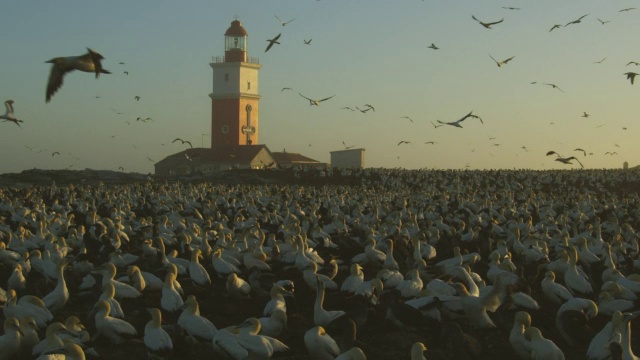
x=363 y=51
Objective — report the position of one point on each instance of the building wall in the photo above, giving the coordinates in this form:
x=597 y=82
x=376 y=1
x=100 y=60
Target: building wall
x=353 y=158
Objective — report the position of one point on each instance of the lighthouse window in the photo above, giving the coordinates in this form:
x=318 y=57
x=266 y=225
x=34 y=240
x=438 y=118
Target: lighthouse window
x=248 y=85
x=226 y=77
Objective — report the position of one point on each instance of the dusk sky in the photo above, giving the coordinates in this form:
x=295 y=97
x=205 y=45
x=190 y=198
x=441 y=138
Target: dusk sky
x=363 y=51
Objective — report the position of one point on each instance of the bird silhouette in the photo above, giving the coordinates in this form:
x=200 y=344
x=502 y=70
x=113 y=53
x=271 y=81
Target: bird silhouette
x=577 y=21
x=434 y=125
x=627 y=9
x=406 y=117
x=307 y=42
x=433 y=46
x=345 y=145
x=430 y=143
x=630 y=76
x=503 y=62
x=634 y=63
x=487 y=25
x=286 y=88
x=600 y=62
x=183 y=142
x=604 y=21
x=364 y=111
x=457 y=122
x=556 y=26
x=404 y=142
x=583 y=151
x=554 y=86
x=89 y=62
x=54 y=153
x=585 y=115
x=272 y=41
x=137 y=98
x=510 y=8
x=283 y=23
x=316 y=102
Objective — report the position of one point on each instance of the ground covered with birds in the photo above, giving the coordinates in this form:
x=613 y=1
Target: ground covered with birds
x=313 y=263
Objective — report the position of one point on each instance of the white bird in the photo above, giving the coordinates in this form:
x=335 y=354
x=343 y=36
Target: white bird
x=574 y=278
x=9 y=115
x=17 y=281
x=320 y=345
x=311 y=276
x=194 y=324
x=56 y=299
x=598 y=349
x=519 y=343
x=156 y=338
x=222 y=266
x=541 y=348
x=51 y=341
x=112 y=328
x=171 y=299
x=412 y=284
x=27 y=305
x=197 y=272
x=322 y=317
x=476 y=307
x=70 y=351
x=417 y=351
x=108 y=291
x=277 y=301
x=123 y=291
x=30 y=338
x=89 y=62
x=10 y=341
x=553 y=291
x=242 y=342
x=237 y=287
x=274 y=324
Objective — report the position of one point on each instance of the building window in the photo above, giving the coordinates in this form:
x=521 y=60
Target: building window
x=226 y=77
x=248 y=85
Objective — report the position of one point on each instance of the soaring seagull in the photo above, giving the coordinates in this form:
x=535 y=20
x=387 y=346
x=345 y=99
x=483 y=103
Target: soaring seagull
x=577 y=21
x=554 y=86
x=9 y=115
x=307 y=42
x=183 y=141
x=457 y=122
x=433 y=46
x=315 y=102
x=89 y=62
x=404 y=142
x=487 y=25
x=556 y=26
x=273 y=41
x=565 y=160
x=283 y=23
x=503 y=62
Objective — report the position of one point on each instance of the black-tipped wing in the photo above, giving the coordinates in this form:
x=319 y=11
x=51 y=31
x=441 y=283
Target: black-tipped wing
x=55 y=80
x=306 y=97
x=465 y=117
x=326 y=98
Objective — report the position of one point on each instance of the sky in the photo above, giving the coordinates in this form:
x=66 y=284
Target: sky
x=362 y=51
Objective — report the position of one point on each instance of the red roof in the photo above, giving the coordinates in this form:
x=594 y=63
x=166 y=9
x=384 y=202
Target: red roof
x=236 y=29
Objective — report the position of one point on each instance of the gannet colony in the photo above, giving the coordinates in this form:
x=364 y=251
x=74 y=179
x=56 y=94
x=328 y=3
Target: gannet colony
x=373 y=263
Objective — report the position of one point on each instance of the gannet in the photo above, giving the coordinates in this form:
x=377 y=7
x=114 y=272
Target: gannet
x=311 y=277
x=553 y=291
x=89 y=62
x=417 y=351
x=52 y=341
x=457 y=122
x=56 y=299
x=630 y=76
x=123 y=291
x=274 y=324
x=194 y=324
x=243 y=342
x=10 y=341
x=487 y=25
x=237 y=287
x=155 y=337
x=411 y=285
x=9 y=114
x=112 y=328
x=519 y=343
x=277 y=301
x=272 y=41
x=27 y=305
x=503 y=62
x=283 y=23
x=541 y=348
x=322 y=317
x=30 y=338
x=108 y=292
x=197 y=272
x=171 y=299
x=320 y=345
x=70 y=351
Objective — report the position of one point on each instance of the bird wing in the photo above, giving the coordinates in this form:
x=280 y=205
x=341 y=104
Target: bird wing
x=9 y=105
x=95 y=58
x=493 y=59
x=551 y=153
x=269 y=46
x=507 y=60
x=495 y=22
x=188 y=142
x=288 y=21
x=281 y=22
x=55 y=80
x=464 y=117
x=177 y=139
x=326 y=98
x=474 y=18
x=276 y=38
x=305 y=97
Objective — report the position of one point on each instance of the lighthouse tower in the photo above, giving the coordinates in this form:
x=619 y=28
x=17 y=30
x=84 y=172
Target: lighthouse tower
x=234 y=100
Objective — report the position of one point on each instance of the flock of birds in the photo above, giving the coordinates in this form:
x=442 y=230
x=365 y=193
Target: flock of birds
x=432 y=264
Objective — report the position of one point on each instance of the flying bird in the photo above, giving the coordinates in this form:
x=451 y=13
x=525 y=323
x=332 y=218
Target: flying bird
x=487 y=25
x=144 y=120
x=406 y=117
x=585 y=115
x=307 y=42
x=630 y=76
x=600 y=62
x=611 y=153
x=404 y=142
x=125 y=72
x=435 y=126
x=183 y=141
x=345 y=145
x=364 y=111
x=9 y=115
x=577 y=21
x=347 y=108
x=457 y=122
x=283 y=23
x=120 y=168
x=89 y=62
x=554 y=86
x=433 y=46
x=117 y=112
x=272 y=41
x=370 y=107
x=524 y=148
x=556 y=26
x=286 y=88
x=430 y=143
x=150 y=159
x=503 y=62
x=627 y=9
x=137 y=98
x=583 y=151
x=510 y=8
x=563 y=159
x=634 y=63
x=54 y=153
x=604 y=21
x=316 y=102
x=121 y=63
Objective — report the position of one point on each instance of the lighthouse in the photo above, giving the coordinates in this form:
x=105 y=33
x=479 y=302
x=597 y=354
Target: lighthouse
x=235 y=98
